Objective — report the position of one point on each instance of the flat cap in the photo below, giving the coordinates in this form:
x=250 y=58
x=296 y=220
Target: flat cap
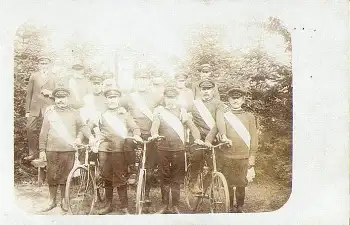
x=205 y=68
x=96 y=79
x=112 y=92
x=77 y=67
x=236 y=92
x=61 y=89
x=206 y=84
x=44 y=60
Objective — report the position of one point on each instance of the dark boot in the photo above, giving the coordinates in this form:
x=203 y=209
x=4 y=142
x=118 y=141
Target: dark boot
x=232 y=199
x=109 y=198
x=123 y=197
x=64 y=205
x=52 y=204
x=165 y=189
x=240 y=196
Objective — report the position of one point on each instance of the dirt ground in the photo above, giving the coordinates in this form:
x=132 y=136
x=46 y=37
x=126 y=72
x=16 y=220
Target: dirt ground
x=263 y=195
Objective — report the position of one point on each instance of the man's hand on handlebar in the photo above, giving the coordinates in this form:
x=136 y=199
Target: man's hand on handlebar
x=199 y=142
x=137 y=138
x=226 y=140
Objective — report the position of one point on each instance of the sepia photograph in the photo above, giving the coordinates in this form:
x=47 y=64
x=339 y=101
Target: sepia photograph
x=181 y=109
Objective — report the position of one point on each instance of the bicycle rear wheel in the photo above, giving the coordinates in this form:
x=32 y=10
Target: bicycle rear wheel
x=219 y=194
x=140 y=191
x=80 y=191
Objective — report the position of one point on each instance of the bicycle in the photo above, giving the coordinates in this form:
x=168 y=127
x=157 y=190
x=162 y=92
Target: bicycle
x=83 y=188
x=142 y=177
x=216 y=191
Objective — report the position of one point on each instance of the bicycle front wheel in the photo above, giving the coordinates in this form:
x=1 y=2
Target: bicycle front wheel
x=140 y=191
x=193 y=197
x=219 y=194
x=80 y=191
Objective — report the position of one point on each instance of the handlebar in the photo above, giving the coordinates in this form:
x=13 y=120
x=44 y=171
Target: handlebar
x=159 y=138
x=204 y=147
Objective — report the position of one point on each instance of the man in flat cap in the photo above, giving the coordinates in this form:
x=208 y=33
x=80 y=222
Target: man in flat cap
x=169 y=121
x=186 y=96
x=114 y=124
x=94 y=103
x=62 y=129
x=158 y=86
x=140 y=104
x=235 y=161
x=208 y=115
x=39 y=97
x=205 y=73
x=78 y=85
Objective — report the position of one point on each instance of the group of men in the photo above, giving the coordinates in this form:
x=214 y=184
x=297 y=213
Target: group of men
x=76 y=110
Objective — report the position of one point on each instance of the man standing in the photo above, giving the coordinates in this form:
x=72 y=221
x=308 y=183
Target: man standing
x=38 y=98
x=208 y=115
x=235 y=161
x=114 y=125
x=79 y=86
x=205 y=73
x=140 y=105
x=186 y=96
x=95 y=103
x=168 y=122
x=62 y=128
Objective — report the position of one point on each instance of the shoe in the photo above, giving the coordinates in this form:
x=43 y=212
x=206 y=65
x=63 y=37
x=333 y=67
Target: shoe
x=125 y=211
x=64 y=205
x=239 y=209
x=132 y=179
x=107 y=209
x=49 y=207
x=148 y=202
x=176 y=210
x=162 y=210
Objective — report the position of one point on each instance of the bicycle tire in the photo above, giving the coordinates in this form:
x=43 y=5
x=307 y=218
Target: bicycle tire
x=140 y=191
x=83 y=182
x=219 y=194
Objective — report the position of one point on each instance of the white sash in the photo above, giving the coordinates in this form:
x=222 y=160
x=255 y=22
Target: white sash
x=204 y=112
x=73 y=87
x=141 y=104
x=239 y=127
x=174 y=122
x=58 y=125
x=117 y=125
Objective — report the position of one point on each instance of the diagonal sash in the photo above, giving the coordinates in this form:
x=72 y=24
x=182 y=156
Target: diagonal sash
x=238 y=126
x=204 y=112
x=174 y=122
x=141 y=104
x=58 y=125
x=117 y=125
x=73 y=87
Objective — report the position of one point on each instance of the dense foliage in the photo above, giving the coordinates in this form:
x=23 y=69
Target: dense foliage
x=268 y=81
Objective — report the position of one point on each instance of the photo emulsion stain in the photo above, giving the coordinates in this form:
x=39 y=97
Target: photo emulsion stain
x=186 y=117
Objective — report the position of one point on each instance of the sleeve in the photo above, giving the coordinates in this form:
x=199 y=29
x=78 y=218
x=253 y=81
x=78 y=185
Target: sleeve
x=44 y=133
x=211 y=135
x=132 y=125
x=155 y=123
x=220 y=120
x=253 y=135
x=29 y=93
x=194 y=130
x=82 y=128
